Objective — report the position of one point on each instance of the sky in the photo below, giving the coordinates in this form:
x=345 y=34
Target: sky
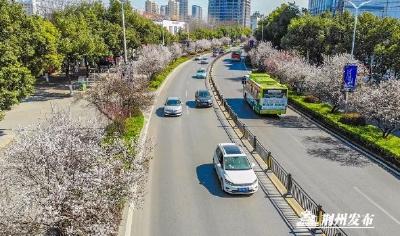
x=263 y=6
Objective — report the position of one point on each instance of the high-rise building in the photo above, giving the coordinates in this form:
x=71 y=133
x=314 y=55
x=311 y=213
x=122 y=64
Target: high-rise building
x=197 y=12
x=229 y=12
x=382 y=8
x=173 y=10
x=46 y=7
x=163 y=10
x=254 y=19
x=151 y=7
x=183 y=10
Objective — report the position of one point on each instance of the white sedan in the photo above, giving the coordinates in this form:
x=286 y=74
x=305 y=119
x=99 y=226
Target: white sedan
x=173 y=107
x=234 y=170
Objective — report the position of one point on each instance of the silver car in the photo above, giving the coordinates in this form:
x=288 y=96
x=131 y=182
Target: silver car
x=173 y=106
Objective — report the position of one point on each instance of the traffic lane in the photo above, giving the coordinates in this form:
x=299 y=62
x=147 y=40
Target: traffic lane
x=185 y=197
x=323 y=165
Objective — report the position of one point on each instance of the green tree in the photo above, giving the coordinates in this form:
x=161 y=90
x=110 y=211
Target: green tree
x=79 y=39
x=16 y=80
x=276 y=24
x=40 y=46
x=308 y=35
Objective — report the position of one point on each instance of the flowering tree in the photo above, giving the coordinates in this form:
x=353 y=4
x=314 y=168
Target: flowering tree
x=379 y=104
x=152 y=59
x=203 y=44
x=327 y=84
x=259 y=54
x=60 y=176
x=216 y=42
x=176 y=50
x=121 y=94
x=225 y=41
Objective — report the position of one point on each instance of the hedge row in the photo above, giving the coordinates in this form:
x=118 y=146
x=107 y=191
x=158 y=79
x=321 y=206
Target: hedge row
x=367 y=136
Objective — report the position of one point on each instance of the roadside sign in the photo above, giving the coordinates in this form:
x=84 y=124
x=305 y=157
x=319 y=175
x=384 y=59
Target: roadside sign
x=251 y=43
x=350 y=77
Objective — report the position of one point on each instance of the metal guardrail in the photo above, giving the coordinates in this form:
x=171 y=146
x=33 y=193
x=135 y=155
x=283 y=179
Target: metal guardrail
x=293 y=187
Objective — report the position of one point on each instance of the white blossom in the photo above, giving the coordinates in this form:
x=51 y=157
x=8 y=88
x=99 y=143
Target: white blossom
x=62 y=175
x=176 y=50
x=203 y=45
x=379 y=104
x=152 y=59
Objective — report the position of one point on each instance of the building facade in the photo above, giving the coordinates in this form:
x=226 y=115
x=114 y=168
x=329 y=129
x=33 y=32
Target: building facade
x=183 y=10
x=173 y=10
x=381 y=8
x=172 y=26
x=151 y=7
x=197 y=12
x=163 y=10
x=254 y=19
x=46 y=7
x=229 y=12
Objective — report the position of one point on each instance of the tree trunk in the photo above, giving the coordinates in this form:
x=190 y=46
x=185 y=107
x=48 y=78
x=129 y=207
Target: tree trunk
x=334 y=109
x=87 y=66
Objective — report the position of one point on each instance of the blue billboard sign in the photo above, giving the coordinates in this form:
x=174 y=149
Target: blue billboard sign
x=350 y=77
x=251 y=43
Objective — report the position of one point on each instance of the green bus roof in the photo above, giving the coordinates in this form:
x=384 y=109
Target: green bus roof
x=265 y=81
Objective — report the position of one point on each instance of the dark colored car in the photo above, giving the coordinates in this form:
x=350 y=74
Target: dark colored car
x=203 y=98
x=215 y=52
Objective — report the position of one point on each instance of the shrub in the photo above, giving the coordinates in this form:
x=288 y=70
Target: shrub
x=352 y=119
x=159 y=78
x=311 y=99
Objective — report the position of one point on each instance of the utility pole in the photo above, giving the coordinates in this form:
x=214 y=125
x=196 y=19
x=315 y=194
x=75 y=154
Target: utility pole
x=355 y=24
x=123 y=29
x=262 y=31
x=163 y=38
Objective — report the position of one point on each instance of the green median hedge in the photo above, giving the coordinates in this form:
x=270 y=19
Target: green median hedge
x=368 y=136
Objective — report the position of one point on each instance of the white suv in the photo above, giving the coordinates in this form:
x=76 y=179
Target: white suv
x=234 y=170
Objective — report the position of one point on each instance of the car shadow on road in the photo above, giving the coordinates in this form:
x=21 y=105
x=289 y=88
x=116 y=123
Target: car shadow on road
x=160 y=112
x=334 y=150
x=208 y=178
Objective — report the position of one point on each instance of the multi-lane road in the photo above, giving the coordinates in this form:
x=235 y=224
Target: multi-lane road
x=337 y=176
x=184 y=196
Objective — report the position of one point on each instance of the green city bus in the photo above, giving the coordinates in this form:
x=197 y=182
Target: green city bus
x=265 y=95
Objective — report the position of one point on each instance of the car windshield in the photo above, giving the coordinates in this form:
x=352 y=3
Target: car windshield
x=236 y=163
x=173 y=102
x=201 y=71
x=204 y=94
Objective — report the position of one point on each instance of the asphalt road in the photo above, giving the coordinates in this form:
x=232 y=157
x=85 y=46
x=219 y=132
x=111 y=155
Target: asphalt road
x=339 y=178
x=184 y=195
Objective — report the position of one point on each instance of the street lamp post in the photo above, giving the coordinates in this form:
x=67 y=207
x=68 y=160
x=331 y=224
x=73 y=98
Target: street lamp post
x=355 y=24
x=262 y=31
x=123 y=30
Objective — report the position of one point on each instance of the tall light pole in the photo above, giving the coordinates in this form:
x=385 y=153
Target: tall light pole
x=355 y=23
x=124 y=31
x=262 y=31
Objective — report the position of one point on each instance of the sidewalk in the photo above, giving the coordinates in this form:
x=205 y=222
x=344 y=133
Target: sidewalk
x=39 y=105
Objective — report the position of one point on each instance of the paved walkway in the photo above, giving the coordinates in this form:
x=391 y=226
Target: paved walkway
x=38 y=106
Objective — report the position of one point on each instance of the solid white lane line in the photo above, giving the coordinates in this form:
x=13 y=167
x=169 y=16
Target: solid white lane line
x=186 y=94
x=377 y=205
